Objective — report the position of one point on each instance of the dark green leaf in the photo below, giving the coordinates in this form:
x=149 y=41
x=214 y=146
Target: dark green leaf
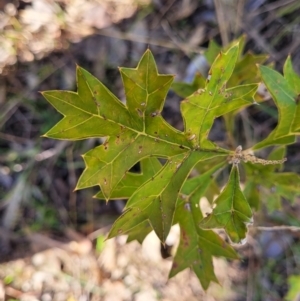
x=232 y=211
x=197 y=246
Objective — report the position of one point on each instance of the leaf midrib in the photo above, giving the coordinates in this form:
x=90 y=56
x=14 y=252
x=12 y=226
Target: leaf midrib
x=124 y=126
x=212 y=99
x=269 y=79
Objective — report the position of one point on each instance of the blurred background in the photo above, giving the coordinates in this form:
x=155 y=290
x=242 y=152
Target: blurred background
x=52 y=239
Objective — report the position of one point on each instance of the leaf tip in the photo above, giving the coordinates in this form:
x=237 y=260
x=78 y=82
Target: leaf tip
x=107 y=237
x=237 y=44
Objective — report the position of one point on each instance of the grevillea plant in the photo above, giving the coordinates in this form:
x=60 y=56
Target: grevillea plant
x=178 y=168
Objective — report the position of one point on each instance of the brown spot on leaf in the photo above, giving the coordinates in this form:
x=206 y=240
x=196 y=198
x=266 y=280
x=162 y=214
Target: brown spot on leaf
x=140 y=112
x=185 y=238
x=105 y=145
x=175 y=265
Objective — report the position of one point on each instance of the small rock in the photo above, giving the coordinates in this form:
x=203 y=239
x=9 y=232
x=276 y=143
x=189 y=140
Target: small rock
x=28 y=298
x=39 y=278
x=151 y=247
x=38 y=259
x=142 y=296
x=46 y=297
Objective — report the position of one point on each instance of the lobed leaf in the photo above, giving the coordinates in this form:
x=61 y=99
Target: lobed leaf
x=201 y=108
x=264 y=184
x=136 y=133
x=132 y=181
x=232 y=211
x=184 y=89
x=284 y=91
x=197 y=246
x=155 y=201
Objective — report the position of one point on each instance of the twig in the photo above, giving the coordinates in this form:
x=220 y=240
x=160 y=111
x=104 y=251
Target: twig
x=239 y=16
x=166 y=27
x=13 y=138
x=256 y=36
x=222 y=23
x=147 y=40
x=163 y=12
x=271 y=6
x=276 y=228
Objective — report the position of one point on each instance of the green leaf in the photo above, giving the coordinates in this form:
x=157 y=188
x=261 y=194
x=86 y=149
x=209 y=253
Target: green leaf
x=145 y=133
x=86 y=114
x=163 y=194
x=197 y=246
x=291 y=76
x=252 y=193
x=294 y=81
x=246 y=71
x=185 y=89
x=200 y=109
x=139 y=232
x=284 y=95
x=138 y=131
x=259 y=188
x=132 y=180
x=288 y=180
x=264 y=184
x=232 y=211
x=155 y=201
x=212 y=51
x=294 y=288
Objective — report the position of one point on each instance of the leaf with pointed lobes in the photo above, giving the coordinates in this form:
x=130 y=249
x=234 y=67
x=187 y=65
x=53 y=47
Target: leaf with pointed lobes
x=133 y=180
x=184 y=89
x=136 y=130
x=285 y=93
x=264 y=184
x=197 y=246
x=259 y=181
x=232 y=211
x=201 y=108
x=139 y=232
x=155 y=201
